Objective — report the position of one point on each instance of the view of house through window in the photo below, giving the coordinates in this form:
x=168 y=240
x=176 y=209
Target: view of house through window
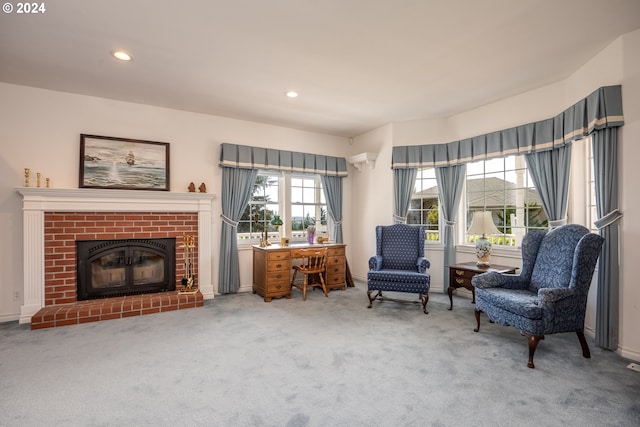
x=307 y=207
x=503 y=187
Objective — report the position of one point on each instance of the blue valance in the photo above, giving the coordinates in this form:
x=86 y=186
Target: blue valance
x=245 y=157
x=601 y=109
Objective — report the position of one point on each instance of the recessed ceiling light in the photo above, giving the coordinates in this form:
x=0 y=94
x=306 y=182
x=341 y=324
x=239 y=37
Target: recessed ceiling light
x=121 y=55
x=292 y=94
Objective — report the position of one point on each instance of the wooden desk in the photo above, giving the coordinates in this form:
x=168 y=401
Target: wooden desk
x=460 y=276
x=272 y=268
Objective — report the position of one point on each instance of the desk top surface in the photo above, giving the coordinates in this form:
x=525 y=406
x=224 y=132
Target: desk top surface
x=301 y=245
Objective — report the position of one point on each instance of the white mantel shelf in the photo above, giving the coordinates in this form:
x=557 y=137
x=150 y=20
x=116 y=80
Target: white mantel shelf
x=91 y=199
x=37 y=200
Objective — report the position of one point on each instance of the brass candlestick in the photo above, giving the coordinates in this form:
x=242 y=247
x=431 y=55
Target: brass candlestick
x=264 y=240
x=38 y=179
x=27 y=172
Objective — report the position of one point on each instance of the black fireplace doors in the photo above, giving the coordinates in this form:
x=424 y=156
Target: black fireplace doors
x=108 y=268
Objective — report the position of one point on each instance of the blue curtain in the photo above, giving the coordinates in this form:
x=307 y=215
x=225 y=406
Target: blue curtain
x=450 y=183
x=404 y=181
x=237 y=185
x=332 y=187
x=549 y=171
x=605 y=167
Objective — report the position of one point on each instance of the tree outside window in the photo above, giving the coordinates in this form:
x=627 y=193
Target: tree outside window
x=263 y=205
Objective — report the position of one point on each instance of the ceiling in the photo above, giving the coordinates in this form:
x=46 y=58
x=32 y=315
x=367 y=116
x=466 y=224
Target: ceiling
x=357 y=64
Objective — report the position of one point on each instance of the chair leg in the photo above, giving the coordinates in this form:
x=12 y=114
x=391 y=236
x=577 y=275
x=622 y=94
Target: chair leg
x=583 y=343
x=533 y=341
x=425 y=300
x=371 y=300
x=324 y=287
x=477 y=313
x=304 y=287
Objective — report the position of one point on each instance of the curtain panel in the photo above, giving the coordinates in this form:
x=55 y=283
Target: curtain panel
x=245 y=157
x=601 y=109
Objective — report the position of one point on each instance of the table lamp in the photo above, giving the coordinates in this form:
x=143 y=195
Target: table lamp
x=482 y=225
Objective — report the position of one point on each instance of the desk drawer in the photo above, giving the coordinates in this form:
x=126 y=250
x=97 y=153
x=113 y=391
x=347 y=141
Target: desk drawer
x=336 y=268
x=335 y=252
x=335 y=279
x=279 y=265
x=278 y=276
x=455 y=272
x=277 y=256
x=460 y=281
x=278 y=286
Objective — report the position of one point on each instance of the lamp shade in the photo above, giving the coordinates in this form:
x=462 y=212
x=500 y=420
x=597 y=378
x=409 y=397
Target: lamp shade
x=482 y=224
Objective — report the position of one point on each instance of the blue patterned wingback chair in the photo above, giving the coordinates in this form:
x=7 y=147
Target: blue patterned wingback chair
x=399 y=264
x=549 y=296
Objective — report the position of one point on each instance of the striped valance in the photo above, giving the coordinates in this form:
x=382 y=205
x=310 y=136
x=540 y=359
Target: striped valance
x=601 y=109
x=245 y=157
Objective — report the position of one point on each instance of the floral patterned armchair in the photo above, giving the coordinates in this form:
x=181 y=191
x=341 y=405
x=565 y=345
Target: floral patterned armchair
x=549 y=296
x=399 y=264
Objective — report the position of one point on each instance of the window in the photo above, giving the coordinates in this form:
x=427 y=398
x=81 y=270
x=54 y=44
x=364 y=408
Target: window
x=307 y=207
x=261 y=208
x=423 y=208
x=592 y=210
x=503 y=187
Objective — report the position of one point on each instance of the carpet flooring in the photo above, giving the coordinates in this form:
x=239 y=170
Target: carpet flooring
x=239 y=361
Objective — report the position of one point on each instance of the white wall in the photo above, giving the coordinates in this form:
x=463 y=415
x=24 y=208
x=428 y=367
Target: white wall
x=617 y=64
x=40 y=129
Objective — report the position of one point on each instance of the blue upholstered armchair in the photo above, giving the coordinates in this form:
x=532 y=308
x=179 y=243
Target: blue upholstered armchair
x=549 y=296
x=399 y=264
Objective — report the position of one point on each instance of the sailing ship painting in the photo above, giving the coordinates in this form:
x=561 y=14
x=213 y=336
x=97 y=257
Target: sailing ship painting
x=108 y=162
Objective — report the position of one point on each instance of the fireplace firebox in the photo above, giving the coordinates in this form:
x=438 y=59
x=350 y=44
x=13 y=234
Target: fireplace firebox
x=109 y=268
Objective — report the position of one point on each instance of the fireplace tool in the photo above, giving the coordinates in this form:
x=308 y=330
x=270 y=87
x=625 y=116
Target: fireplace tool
x=188 y=281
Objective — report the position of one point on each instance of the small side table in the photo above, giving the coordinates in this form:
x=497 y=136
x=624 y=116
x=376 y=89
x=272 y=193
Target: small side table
x=460 y=276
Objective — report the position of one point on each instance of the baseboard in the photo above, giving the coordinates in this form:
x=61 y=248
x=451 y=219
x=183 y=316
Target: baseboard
x=9 y=318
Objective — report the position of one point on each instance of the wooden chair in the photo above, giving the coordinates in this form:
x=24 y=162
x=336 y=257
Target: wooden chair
x=313 y=268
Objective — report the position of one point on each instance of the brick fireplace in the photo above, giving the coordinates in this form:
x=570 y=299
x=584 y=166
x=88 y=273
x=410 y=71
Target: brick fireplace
x=55 y=219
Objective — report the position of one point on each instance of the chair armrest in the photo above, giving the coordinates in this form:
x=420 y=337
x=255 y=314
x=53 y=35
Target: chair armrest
x=375 y=263
x=548 y=296
x=423 y=264
x=493 y=279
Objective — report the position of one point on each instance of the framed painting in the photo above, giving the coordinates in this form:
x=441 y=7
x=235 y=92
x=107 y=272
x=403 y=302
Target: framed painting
x=121 y=163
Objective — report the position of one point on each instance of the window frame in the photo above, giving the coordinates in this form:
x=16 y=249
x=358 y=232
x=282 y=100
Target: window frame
x=424 y=213
x=284 y=210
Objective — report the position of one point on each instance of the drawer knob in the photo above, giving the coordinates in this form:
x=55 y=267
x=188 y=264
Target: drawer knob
x=459 y=281
x=279 y=265
x=459 y=272
x=279 y=286
x=279 y=276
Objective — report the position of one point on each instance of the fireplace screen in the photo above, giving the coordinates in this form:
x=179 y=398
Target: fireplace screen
x=109 y=268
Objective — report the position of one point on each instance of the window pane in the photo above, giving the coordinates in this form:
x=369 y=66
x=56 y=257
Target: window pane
x=503 y=187
x=423 y=208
